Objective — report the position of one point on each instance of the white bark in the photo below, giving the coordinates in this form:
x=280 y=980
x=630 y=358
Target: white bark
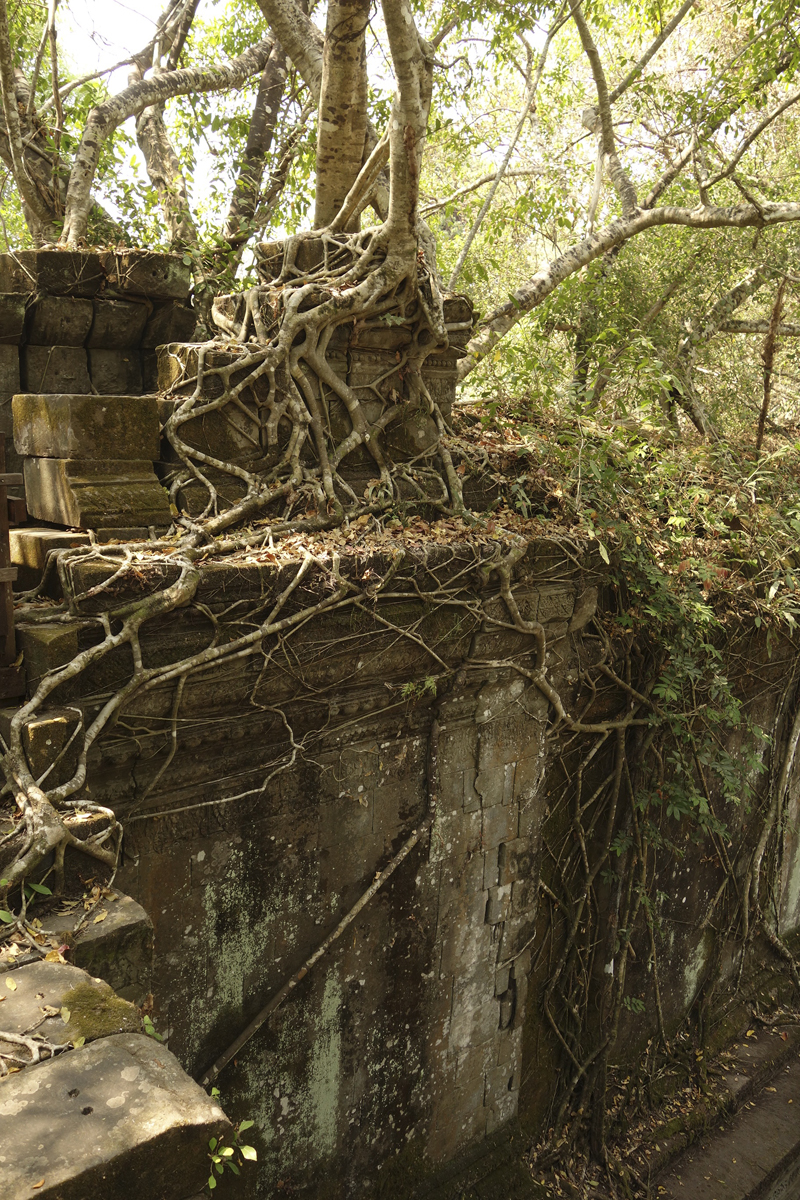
x=104 y=119
x=342 y=125
x=535 y=290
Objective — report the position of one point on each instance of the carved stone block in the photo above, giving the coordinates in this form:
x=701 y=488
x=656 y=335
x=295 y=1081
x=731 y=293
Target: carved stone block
x=54 y=369
x=95 y=495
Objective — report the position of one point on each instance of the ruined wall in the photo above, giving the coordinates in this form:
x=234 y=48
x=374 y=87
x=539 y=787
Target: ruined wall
x=404 y=1045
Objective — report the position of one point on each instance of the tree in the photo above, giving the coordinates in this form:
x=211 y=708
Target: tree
x=625 y=124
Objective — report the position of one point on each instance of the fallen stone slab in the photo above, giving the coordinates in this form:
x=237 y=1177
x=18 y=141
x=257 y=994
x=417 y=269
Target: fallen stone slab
x=86 y=427
x=118 y=1119
x=92 y=495
x=60 y=1003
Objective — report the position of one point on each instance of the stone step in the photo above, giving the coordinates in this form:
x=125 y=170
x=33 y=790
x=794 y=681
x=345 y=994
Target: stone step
x=754 y=1156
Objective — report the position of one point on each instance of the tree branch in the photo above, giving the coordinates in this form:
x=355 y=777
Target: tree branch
x=108 y=116
x=531 y=294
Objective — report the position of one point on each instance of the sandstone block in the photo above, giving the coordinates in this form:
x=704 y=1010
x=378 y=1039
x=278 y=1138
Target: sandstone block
x=53 y=369
x=45 y=737
x=499 y=825
x=118 y=949
x=59 y=272
x=45 y=648
x=30 y=547
x=116 y=372
x=95 y=495
x=170 y=322
x=144 y=273
x=12 y=317
x=117 y=324
x=118 y=1118
x=516 y=860
x=93 y=1010
x=58 y=321
x=9 y=370
x=149 y=371
x=86 y=427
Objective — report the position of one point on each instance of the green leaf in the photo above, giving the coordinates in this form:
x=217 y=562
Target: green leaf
x=6 y=916
x=603 y=552
x=40 y=888
x=212 y=1144
x=226 y=1151
x=249 y=1153
x=245 y=1125
x=212 y=1183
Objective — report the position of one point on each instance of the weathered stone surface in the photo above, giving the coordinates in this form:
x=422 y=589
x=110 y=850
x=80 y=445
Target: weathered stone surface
x=118 y=949
x=116 y=1119
x=9 y=370
x=116 y=372
x=145 y=273
x=44 y=648
x=55 y=369
x=60 y=272
x=30 y=548
x=12 y=317
x=86 y=427
x=117 y=324
x=170 y=322
x=58 y=321
x=45 y=737
x=95 y=495
x=62 y=1003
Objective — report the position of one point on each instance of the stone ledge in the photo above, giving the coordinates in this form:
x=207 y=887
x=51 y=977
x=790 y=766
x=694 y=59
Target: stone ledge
x=118 y=1118
x=85 y=427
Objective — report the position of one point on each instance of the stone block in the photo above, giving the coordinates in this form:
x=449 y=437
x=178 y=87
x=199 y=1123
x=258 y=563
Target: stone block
x=12 y=317
x=116 y=372
x=117 y=324
x=497 y=904
x=118 y=949
x=95 y=495
x=145 y=273
x=509 y=1048
x=555 y=604
x=525 y=895
x=170 y=322
x=86 y=427
x=516 y=860
x=503 y=1110
x=9 y=370
x=518 y=932
x=499 y=825
x=58 y=321
x=149 y=371
x=499 y=1080
x=118 y=1118
x=55 y=369
x=472 y=800
x=30 y=548
x=490 y=868
x=44 y=990
x=59 y=272
x=45 y=648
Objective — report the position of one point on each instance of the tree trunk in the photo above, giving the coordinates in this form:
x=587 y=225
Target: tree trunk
x=342 y=129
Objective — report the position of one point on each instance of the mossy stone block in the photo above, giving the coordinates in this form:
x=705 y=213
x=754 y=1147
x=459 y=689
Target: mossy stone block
x=117 y=324
x=53 y=369
x=145 y=273
x=86 y=427
x=95 y=495
x=58 y=321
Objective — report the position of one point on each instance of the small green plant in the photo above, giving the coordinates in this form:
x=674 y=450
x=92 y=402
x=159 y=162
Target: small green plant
x=231 y=1158
x=150 y=1029
x=418 y=689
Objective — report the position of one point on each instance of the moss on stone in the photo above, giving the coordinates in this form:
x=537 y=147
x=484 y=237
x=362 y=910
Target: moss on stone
x=95 y=1011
